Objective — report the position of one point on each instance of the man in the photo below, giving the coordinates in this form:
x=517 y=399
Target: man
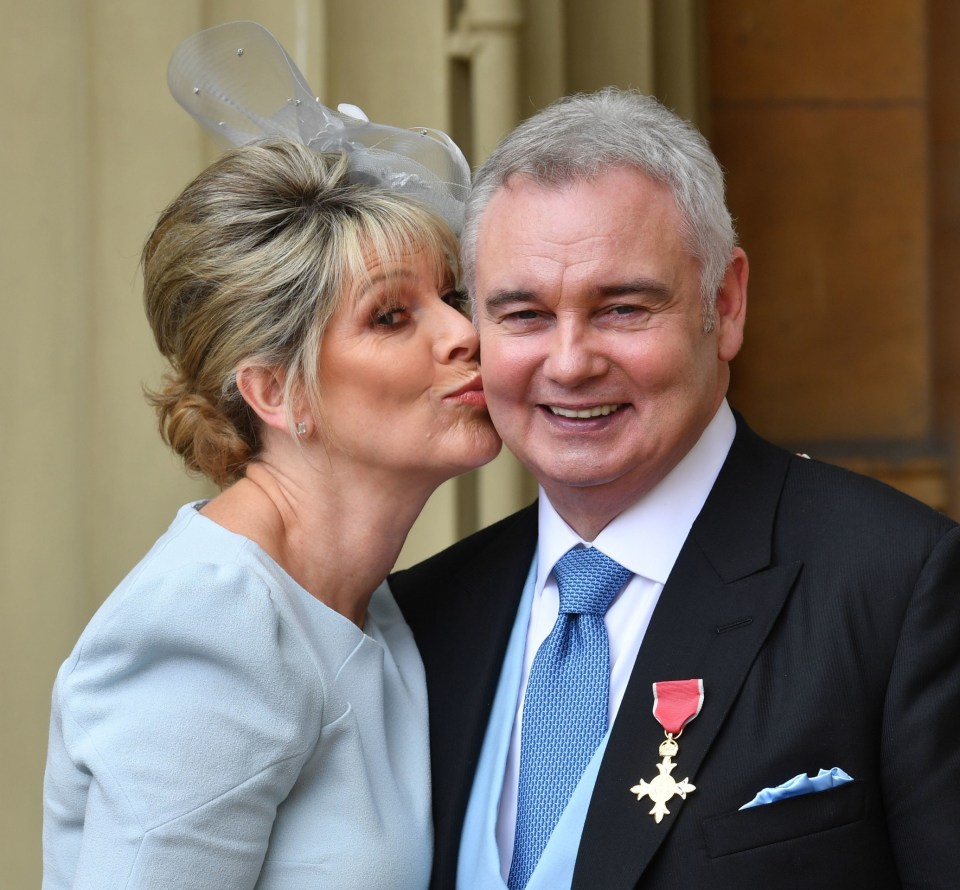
x=815 y=610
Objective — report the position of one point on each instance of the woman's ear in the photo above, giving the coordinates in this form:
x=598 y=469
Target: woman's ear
x=263 y=390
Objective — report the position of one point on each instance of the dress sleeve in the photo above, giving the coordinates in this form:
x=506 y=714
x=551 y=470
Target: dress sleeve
x=187 y=714
x=920 y=751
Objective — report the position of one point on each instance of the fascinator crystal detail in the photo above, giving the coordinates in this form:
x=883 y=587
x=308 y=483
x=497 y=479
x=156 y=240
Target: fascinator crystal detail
x=241 y=85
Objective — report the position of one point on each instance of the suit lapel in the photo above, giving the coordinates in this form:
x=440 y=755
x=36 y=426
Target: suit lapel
x=714 y=613
x=462 y=608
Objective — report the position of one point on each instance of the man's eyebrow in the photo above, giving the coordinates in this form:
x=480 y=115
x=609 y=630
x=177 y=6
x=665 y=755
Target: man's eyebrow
x=508 y=298
x=651 y=287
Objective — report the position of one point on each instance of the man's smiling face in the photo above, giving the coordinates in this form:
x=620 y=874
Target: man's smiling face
x=597 y=370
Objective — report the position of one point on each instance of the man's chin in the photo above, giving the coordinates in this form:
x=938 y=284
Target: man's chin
x=585 y=482
x=574 y=478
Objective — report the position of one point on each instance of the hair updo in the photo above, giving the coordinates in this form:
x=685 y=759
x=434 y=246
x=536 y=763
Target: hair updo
x=247 y=266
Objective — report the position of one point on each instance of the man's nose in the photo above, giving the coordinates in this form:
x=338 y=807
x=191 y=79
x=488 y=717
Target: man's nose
x=574 y=355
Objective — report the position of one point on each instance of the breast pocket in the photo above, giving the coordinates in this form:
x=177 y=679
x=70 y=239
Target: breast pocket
x=783 y=820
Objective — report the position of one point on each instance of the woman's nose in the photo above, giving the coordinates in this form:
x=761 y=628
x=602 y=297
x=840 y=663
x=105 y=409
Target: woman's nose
x=457 y=339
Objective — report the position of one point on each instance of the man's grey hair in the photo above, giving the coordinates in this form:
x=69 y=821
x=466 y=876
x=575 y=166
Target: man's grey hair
x=583 y=136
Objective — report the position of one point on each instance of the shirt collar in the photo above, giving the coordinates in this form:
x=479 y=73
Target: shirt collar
x=647 y=537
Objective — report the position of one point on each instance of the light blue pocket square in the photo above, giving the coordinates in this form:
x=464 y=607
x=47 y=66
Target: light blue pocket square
x=802 y=784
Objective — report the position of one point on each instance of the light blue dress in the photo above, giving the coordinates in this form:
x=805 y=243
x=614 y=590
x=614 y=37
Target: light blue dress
x=216 y=726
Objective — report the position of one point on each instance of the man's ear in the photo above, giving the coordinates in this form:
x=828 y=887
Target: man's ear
x=262 y=389
x=732 y=306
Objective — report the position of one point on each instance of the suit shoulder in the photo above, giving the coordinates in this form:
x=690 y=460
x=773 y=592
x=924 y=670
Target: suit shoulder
x=515 y=534
x=841 y=497
x=831 y=490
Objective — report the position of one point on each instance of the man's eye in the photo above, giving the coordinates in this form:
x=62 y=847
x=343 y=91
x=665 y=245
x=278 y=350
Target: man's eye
x=625 y=310
x=524 y=314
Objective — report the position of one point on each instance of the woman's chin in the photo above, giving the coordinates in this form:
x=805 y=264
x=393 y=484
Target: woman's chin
x=483 y=448
x=488 y=446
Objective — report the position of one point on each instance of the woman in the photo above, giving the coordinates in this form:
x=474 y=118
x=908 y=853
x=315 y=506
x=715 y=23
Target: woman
x=247 y=708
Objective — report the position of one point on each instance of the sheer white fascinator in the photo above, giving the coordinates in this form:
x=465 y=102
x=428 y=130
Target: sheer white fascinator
x=239 y=82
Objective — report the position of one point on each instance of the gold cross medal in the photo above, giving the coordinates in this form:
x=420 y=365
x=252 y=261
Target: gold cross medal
x=675 y=704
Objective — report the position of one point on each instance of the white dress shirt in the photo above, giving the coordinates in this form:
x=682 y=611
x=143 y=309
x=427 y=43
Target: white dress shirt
x=646 y=539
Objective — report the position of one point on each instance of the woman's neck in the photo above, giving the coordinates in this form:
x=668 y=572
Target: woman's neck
x=337 y=535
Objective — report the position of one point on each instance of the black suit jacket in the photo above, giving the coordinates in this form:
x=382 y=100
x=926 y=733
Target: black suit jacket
x=822 y=611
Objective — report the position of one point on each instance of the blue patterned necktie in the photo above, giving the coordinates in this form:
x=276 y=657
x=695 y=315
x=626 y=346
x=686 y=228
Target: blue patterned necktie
x=565 y=708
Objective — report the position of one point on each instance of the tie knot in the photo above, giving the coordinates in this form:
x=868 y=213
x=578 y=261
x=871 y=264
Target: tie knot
x=588 y=581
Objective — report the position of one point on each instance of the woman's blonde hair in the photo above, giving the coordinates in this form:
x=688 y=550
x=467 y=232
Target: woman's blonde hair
x=247 y=267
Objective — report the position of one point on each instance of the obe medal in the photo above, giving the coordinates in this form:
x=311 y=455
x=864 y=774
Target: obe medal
x=675 y=704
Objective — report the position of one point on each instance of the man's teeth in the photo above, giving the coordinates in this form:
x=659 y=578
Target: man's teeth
x=596 y=411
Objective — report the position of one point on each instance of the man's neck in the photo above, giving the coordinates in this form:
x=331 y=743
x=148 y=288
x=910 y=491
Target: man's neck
x=589 y=509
